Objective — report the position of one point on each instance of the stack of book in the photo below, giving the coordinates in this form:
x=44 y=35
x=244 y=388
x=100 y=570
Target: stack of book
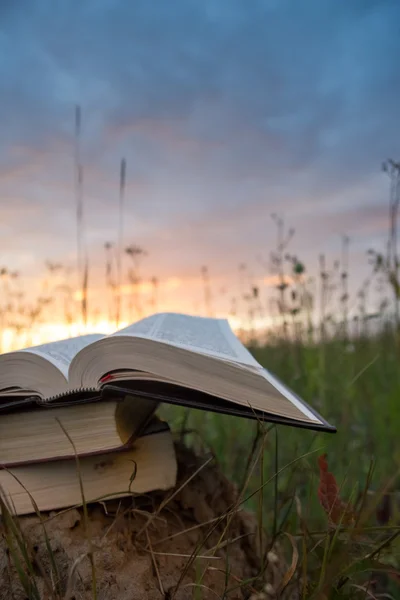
x=81 y=413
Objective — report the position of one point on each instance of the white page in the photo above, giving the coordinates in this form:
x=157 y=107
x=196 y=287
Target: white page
x=61 y=353
x=213 y=337
x=146 y=327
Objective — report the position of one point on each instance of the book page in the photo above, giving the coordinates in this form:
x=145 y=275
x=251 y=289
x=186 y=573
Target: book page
x=61 y=353
x=146 y=327
x=213 y=337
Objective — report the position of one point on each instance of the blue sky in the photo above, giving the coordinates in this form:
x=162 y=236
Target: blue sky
x=226 y=111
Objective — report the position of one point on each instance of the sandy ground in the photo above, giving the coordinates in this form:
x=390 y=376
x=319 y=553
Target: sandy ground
x=144 y=553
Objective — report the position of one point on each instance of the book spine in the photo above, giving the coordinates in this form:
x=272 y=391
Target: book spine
x=65 y=398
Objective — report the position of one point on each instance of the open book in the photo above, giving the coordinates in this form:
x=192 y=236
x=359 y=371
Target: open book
x=170 y=357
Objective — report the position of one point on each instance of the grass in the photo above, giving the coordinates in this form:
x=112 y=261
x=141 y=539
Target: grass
x=356 y=387
x=358 y=392
x=354 y=382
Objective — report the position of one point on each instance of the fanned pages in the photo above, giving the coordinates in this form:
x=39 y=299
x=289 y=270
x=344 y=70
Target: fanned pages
x=42 y=369
x=149 y=465
x=193 y=353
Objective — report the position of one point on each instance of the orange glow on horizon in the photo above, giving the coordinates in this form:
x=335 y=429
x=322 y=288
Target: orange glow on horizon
x=50 y=332
x=61 y=318
x=143 y=287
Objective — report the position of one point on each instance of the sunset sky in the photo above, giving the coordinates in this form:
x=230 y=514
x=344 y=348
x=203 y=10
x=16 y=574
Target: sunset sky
x=226 y=112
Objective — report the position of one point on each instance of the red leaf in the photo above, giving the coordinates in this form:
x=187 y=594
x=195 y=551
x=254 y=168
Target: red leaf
x=338 y=511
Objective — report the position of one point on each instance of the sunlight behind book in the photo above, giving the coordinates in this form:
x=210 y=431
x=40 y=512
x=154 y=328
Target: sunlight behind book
x=195 y=353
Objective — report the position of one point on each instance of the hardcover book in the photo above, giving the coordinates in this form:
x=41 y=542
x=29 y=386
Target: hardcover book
x=193 y=361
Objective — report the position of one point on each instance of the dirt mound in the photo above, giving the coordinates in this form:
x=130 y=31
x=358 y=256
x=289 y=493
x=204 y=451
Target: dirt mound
x=144 y=548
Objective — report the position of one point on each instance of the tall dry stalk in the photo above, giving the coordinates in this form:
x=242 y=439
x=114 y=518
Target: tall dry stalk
x=85 y=288
x=154 y=297
x=250 y=294
x=10 y=303
x=392 y=168
x=135 y=253
x=242 y=270
x=110 y=281
x=53 y=284
x=122 y=184
x=4 y=274
x=82 y=256
x=344 y=280
x=328 y=284
x=66 y=291
x=388 y=264
x=277 y=260
x=78 y=190
x=207 y=291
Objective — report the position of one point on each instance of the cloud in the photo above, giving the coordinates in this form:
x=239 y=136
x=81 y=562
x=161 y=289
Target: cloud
x=225 y=112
